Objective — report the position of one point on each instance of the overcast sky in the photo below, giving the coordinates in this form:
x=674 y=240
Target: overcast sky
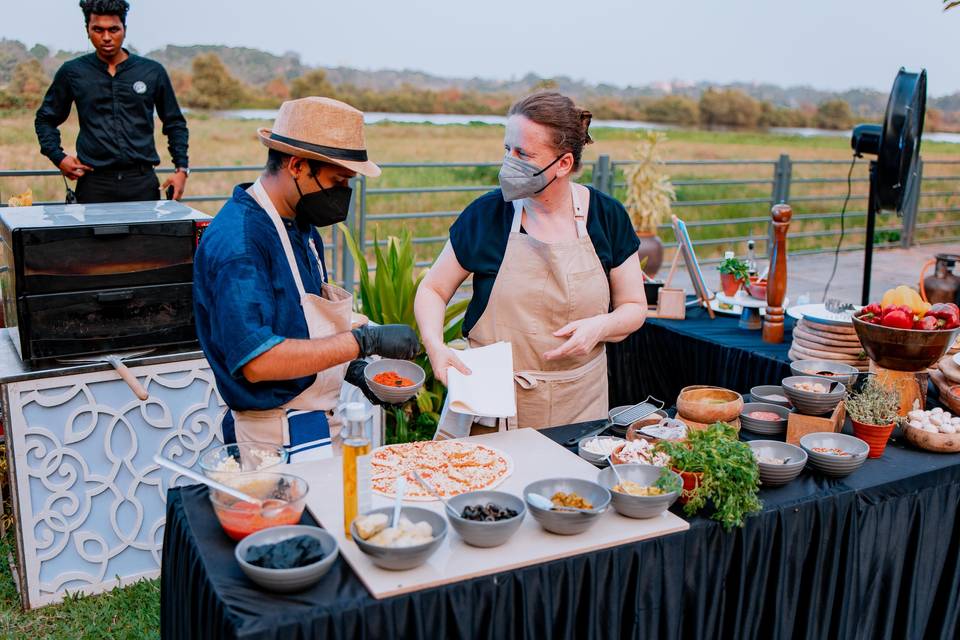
x=829 y=44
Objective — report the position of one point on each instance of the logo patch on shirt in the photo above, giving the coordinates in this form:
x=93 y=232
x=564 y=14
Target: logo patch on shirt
x=140 y=86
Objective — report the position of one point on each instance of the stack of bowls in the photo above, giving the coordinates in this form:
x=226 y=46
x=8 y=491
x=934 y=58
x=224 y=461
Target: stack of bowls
x=486 y=534
x=771 y=474
x=567 y=523
x=287 y=580
x=812 y=403
x=845 y=373
x=643 y=474
x=405 y=368
x=832 y=465
x=764 y=427
x=768 y=393
x=403 y=558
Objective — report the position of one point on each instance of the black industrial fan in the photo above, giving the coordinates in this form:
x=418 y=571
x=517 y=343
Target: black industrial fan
x=896 y=143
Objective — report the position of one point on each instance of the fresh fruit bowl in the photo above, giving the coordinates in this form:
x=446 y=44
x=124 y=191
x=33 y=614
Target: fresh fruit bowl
x=903 y=349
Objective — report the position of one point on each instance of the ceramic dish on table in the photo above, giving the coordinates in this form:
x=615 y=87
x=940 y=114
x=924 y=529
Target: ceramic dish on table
x=287 y=580
x=771 y=394
x=596 y=449
x=567 y=522
x=646 y=475
x=813 y=403
x=480 y=533
x=762 y=426
x=391 y=394
x=845 y=373
x=403 y=558
x=817 y=447
x=769 y=453
x=817 y=312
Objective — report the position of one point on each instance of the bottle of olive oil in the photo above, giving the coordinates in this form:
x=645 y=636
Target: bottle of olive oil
x=356 y=464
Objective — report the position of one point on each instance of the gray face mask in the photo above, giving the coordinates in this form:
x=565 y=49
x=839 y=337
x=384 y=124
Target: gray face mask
x=521 y=179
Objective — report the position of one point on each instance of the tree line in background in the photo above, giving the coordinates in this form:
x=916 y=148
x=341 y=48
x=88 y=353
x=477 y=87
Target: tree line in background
x=209 y=85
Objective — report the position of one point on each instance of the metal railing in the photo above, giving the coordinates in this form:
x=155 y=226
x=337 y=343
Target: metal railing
x=723 y=209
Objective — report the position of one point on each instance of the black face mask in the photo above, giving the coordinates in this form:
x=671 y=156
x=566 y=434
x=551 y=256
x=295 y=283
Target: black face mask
x=322 y=208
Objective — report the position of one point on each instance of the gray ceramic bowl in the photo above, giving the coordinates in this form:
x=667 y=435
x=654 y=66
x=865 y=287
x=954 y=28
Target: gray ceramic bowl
x=394 y=395
x=830 y=464
x=403 y=558
x=764 y=391
x=825 y=369
x=778 y=474
x=567 y=522
x=810 y=402
x=596 y=458
x=639 y=506
x=287 y=580
x=486 y=534
x=764 y=427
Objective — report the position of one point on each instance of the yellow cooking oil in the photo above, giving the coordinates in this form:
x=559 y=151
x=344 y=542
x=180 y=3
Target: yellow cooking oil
x=351 y=452
x=356 y=464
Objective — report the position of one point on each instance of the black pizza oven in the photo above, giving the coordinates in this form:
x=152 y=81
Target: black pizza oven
x=85 y=279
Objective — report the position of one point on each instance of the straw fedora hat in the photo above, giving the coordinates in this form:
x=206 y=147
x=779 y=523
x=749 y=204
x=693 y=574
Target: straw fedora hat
x=321 y=129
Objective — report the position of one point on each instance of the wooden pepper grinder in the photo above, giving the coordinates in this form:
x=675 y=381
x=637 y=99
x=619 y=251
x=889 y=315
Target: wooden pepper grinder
x=777 y=278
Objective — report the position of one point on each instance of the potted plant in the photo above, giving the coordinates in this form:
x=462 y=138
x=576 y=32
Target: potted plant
x=733 y=274
x=649 y=194
x=387 y=298
x=716 y=466
x=874 y=412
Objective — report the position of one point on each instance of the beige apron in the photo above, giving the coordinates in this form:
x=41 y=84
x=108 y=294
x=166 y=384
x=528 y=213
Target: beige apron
x=325 y=315
x=541 y=287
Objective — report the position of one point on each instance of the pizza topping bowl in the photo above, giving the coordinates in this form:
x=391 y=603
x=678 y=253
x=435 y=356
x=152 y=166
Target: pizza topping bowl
x=632 y=488
x=572 y=499
x=392 y=379
x=764 y=415
x=373 y=528
x=488 y=513
x=832 y=451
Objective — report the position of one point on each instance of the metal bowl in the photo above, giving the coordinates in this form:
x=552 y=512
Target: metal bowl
x=287 y=580
x=486 y=534
x=394 y=395
x=764 y=427
x=845 y=373
x=403 y=558
x=903 y=349
x=763 y=392
x=567 y=522
x=240 y=518
x=778 y=474
x=639 y=506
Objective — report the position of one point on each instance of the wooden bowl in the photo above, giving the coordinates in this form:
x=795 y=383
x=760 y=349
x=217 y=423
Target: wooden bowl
x=707 y=404
x=937 y=442
x=903 y=349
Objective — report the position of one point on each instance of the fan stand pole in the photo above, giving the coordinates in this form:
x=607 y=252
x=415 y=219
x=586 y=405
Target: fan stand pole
x=868 y=241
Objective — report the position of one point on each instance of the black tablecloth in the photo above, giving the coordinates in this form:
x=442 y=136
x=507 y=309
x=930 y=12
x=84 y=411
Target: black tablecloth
x=874 y=555
x=666 y=355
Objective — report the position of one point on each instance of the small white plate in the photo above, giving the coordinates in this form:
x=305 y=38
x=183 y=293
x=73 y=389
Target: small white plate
x=817 y=312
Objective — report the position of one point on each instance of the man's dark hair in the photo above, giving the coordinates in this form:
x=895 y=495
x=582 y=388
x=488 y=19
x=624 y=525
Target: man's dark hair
x=277 y=159
x=117 y=8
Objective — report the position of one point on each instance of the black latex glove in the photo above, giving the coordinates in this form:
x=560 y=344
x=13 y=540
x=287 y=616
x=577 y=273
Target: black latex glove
x=396 y=341
x=356 y=378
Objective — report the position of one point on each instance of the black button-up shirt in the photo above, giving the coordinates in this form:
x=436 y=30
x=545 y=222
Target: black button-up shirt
x=116 y=113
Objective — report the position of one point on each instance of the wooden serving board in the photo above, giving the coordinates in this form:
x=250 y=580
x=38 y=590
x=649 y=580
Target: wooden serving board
x=535 y=457
x=831 y=339
x=852 y=351
x=793 y=354
x=810 y=354
x=828 y=328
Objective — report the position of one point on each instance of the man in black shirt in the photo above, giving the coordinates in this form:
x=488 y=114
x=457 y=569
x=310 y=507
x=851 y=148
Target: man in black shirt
x=116 y=93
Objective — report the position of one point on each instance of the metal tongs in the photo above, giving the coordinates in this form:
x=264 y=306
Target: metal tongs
x=623 y=418
x=116 y=361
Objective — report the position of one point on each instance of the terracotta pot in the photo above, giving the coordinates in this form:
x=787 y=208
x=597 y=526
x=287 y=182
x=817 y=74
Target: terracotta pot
x=875 y=436
x=651 y=248
x=691 y=480
x=730 y=284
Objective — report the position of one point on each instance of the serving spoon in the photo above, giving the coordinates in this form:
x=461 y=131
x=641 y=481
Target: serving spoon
x=400 y=488
x=429 y=487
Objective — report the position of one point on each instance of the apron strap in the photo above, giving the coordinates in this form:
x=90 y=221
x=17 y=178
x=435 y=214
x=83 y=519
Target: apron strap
x=260 y=195
x=579 y=212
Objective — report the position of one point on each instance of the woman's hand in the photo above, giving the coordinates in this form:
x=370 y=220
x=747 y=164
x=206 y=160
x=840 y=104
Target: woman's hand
x=583 y=337
x=442 y=357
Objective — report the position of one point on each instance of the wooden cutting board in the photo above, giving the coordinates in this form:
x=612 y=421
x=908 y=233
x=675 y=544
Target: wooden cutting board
x=815 y=354
x=828 y=328
x=834 y=339
x=853 y=351
x=535 y=457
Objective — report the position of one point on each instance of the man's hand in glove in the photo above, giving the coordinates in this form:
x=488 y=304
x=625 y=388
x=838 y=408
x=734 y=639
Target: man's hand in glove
x=396 y=341
x=356 y=378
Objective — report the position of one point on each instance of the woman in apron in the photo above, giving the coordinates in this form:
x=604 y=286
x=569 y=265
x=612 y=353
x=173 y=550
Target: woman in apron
x=555 y=273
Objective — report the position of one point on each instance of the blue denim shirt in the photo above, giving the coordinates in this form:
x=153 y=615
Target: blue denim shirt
x=245 y=298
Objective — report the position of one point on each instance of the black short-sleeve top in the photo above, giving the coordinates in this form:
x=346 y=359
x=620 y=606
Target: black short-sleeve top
x=479 y=240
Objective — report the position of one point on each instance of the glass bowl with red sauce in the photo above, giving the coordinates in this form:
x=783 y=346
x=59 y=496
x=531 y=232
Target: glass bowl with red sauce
x=284 y=498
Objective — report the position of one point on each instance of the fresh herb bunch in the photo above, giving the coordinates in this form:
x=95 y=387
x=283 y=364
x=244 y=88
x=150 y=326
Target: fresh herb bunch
x=737 y=267
x=874 y=404
x=730 y=478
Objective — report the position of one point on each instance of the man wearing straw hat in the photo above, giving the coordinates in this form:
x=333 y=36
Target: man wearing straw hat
x=275 y=331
